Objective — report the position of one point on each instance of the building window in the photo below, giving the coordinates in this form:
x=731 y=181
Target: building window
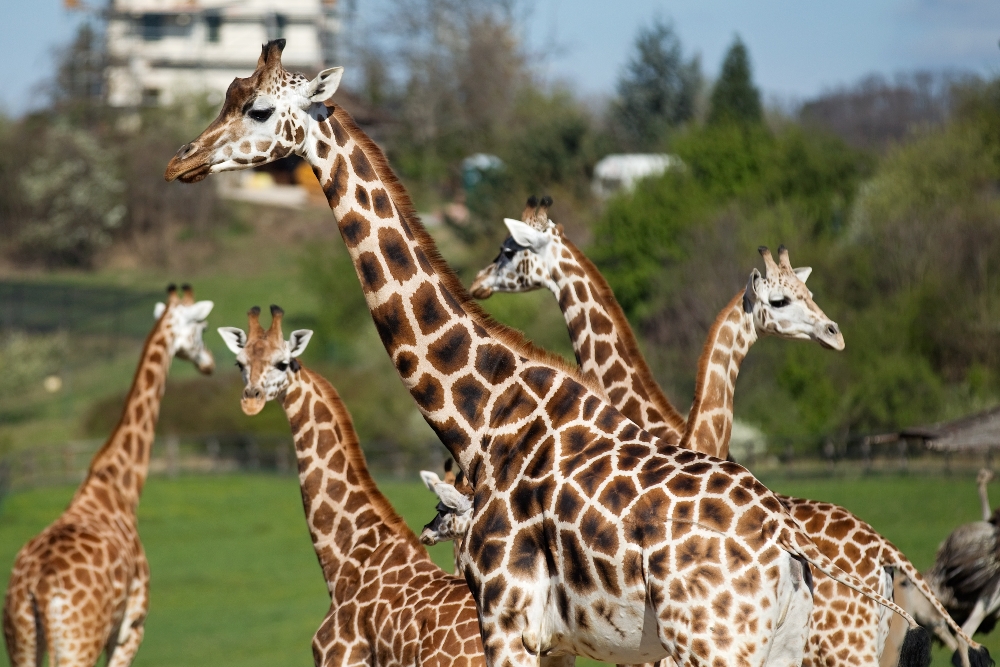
x=150 y=97
x=275 y=24
x=152 y=26
x=213 y=25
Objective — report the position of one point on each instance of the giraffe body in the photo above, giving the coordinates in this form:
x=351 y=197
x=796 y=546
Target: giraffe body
x=81 y=587
x=584 y=526
x=846 y=628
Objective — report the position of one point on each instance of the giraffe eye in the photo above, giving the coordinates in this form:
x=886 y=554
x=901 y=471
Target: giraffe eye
x=239 y=366
x=780 y=303
x=260 y=115
x=281 y=366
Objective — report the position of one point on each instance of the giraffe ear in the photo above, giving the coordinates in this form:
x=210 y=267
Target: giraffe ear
x=526 y=235
x=199 y=311
x=430 y=479
x=750 y=294
x=452 y=498
x=325 y=84
x=158 y=310
x=803 y=272
x=298 y=340
x=235 y=339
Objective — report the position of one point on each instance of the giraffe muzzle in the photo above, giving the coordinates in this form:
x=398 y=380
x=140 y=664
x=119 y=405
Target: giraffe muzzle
x=253 y=401
x=829 y=336
x=189 y=164
x=479 y=289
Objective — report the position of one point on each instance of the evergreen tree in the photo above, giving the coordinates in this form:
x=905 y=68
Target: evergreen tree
x=735 y=99
x=657 y=90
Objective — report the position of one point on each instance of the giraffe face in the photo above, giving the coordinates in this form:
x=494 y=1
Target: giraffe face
x=265 y=117
x=527 y=261
x=453 y=518
x=267 y=362
x=186 y=320
x=782 y=305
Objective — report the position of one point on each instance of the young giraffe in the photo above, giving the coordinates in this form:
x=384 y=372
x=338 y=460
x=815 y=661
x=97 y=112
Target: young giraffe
x=587 y=538
x=452 y=520
x=81 y=586
x=538 y=255
x=389 y=603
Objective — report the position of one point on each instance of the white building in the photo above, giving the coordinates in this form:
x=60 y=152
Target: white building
x=622 y=171
x=159 y=50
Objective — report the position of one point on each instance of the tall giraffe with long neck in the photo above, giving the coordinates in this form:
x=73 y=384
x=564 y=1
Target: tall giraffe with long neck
x=587 y=538
x=605 y=347
x=538 y=255
x=81 y=586
x=389 y=603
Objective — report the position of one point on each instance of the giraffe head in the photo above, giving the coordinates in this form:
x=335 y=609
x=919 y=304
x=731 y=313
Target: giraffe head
x=267 y=361
x=528 y=257
x=454 y=510
x=185 y=319
x=781 y=305
x=265 y=117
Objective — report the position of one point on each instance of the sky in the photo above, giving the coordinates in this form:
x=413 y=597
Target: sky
x=799 y=48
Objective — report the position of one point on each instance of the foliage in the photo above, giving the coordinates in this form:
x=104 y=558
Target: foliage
x=903 y=252
x=735 y=98
x=657 y=90
x=73 y=191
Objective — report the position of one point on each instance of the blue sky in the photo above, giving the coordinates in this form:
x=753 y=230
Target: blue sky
x=799 y=47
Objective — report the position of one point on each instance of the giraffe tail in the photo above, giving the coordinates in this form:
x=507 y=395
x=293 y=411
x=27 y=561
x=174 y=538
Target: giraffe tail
x=978 y=655
x=916 y=648
x=798 y=542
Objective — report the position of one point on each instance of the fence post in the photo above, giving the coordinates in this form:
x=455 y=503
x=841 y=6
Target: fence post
x=173 y=453
x=281 y=457
x=212 y=447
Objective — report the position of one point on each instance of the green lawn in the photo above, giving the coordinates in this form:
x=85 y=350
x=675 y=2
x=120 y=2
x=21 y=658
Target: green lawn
x=235 y=581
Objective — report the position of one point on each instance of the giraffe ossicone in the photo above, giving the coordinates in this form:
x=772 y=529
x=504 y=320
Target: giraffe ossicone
x=81 y=587
x=587 y=538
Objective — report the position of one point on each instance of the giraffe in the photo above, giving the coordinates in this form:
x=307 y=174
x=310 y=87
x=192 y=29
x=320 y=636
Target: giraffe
x=456 y=512
x=587 y=538
x=538 y=255
x=81 y=586
x=389 y=603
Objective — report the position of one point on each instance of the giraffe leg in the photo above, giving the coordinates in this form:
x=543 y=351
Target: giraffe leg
x=795 y=598
x=72 y=641
x=20 y=628
x=122 y=651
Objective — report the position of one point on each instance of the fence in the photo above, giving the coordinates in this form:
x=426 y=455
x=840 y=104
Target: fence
x=205 y=454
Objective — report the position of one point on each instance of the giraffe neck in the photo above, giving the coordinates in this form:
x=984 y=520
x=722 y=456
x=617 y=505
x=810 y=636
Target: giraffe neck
x=123 y=462
x=606 y=347
x=348 y=517
x=710 y=422
x=451 y=357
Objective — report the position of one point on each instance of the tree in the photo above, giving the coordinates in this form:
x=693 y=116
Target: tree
x=657 y=90
x=735 y=99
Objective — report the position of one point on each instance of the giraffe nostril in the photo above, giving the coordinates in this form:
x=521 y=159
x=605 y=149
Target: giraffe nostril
x=186 y=150
x=832 y=329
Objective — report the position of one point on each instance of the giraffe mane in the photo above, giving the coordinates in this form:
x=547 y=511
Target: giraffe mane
x=703 y=359
x=627 y=336
x=155 y=331
x=506 y=335
x=356 y=459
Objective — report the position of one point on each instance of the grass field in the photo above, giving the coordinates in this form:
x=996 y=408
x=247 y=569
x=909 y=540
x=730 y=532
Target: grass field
x=235 y=581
